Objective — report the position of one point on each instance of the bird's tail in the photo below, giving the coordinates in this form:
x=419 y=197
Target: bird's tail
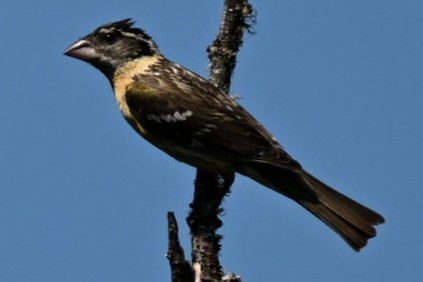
x=351 y=220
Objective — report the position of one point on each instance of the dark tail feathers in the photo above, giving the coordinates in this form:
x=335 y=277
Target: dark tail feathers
x=351 y=220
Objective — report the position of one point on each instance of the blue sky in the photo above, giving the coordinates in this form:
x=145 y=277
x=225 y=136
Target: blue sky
x=83 y=198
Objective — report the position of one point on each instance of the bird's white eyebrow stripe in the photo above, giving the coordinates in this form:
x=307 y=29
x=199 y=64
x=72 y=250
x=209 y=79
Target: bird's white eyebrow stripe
x=126 y=34
x=130 y=35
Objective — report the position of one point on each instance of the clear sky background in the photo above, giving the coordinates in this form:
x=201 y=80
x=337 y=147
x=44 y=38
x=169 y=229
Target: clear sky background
x=83 y=198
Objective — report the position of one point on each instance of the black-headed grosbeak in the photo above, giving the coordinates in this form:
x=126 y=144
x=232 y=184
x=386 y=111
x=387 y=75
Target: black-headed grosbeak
x=195 y=122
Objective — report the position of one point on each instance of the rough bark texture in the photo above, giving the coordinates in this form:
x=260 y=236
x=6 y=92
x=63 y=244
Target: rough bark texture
x=211 y=188
x=203 y=220
x=237 y=18
x=181 y=269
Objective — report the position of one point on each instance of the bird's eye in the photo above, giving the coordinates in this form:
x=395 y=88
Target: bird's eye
x=109 y=38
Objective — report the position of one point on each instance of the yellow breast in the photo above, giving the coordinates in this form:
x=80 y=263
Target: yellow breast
x=123 y=79
x=124 y=76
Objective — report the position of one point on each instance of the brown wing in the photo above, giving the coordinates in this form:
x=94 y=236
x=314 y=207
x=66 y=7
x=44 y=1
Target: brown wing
x=180 y=106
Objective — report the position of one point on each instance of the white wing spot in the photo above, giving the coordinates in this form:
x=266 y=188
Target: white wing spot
x=195 y=143
x=177 y=116
x=167 y=118
x=154 y=117
x=186 y=114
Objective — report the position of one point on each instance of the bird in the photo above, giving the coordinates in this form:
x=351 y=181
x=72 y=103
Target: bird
x=197 y=123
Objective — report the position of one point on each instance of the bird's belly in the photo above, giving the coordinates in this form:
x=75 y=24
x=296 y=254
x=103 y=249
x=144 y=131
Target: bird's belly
x=195 y=158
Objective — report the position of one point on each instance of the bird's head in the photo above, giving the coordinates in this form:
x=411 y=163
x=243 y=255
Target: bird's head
x=112 y=45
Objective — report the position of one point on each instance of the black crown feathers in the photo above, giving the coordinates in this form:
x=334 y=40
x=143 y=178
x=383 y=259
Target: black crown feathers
x=125 y=26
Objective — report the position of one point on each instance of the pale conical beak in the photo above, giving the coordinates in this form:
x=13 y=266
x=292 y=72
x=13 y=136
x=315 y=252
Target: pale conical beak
x=81 y=49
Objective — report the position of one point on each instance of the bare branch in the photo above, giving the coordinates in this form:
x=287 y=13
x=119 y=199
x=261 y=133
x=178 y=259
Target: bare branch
x=211 y=188
x=181 y=269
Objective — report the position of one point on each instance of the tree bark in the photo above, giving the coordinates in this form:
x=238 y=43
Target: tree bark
x=211 y=188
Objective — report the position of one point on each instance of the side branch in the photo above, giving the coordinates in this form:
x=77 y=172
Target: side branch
x=181 y=269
